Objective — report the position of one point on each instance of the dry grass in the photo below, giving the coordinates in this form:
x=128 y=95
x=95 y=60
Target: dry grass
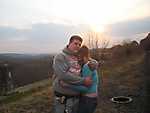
x=121 y=79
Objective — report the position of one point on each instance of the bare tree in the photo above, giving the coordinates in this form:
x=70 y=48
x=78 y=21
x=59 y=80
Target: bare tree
x=96 y=41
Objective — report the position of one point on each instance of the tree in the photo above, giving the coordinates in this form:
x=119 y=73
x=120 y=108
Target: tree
x=97 y=42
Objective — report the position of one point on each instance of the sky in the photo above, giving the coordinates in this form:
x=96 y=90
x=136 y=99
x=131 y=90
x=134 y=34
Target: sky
x=45 y=26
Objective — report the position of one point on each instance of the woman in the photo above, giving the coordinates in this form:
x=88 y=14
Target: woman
x=88 y=100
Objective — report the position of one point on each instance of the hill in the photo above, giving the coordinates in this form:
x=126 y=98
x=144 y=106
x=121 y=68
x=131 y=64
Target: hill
x=124 y=77
x=27 y=68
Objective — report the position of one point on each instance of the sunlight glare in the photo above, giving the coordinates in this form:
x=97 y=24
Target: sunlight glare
x=94 y=11
x=98 y=28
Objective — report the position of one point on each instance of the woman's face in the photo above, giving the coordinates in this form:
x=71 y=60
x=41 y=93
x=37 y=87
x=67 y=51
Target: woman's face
x=83 y=54
x=83 y=58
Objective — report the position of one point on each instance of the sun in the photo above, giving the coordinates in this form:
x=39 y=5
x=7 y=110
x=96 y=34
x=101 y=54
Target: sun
x=98 y=28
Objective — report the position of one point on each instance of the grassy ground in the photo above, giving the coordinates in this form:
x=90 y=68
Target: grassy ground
x=35 y=100
x=124 y=78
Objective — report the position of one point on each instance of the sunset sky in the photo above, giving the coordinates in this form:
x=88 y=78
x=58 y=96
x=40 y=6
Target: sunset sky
x=44 y=26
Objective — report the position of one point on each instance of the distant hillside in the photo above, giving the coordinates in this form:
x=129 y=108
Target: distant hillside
x=11 y=56
x=28 y=68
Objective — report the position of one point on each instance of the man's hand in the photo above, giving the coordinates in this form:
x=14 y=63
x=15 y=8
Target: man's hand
x=87 y=81
x=63 y=84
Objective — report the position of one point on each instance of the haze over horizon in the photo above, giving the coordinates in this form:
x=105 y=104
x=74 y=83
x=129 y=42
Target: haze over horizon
x=44 y=26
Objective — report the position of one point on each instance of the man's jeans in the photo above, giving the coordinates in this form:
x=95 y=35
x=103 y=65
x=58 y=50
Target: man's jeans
x=70 y=105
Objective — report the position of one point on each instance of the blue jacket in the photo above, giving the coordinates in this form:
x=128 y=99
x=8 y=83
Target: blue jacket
x=86 y=71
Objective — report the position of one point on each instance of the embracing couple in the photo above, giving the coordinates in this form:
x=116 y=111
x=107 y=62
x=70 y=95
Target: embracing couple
x=75 y=79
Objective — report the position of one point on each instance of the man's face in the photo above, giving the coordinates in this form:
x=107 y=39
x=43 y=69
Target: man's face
x=75 y=45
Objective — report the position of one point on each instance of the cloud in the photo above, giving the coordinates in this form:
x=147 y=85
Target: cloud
x=40 y=38
x=130 y=28
x=8 y=32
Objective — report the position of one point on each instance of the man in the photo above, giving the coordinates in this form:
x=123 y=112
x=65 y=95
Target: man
x=145 y=44
x=67 y=69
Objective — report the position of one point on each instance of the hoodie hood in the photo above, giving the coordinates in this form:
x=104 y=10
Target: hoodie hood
x=69 y=52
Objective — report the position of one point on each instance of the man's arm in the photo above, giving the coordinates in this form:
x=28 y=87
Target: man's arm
x=78 y=88
x=75 y=87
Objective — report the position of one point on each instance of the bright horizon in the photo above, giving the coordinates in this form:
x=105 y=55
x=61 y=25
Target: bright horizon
x=42 y=25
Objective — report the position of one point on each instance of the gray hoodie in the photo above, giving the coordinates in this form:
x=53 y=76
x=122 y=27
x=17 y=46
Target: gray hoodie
x=67 y=69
